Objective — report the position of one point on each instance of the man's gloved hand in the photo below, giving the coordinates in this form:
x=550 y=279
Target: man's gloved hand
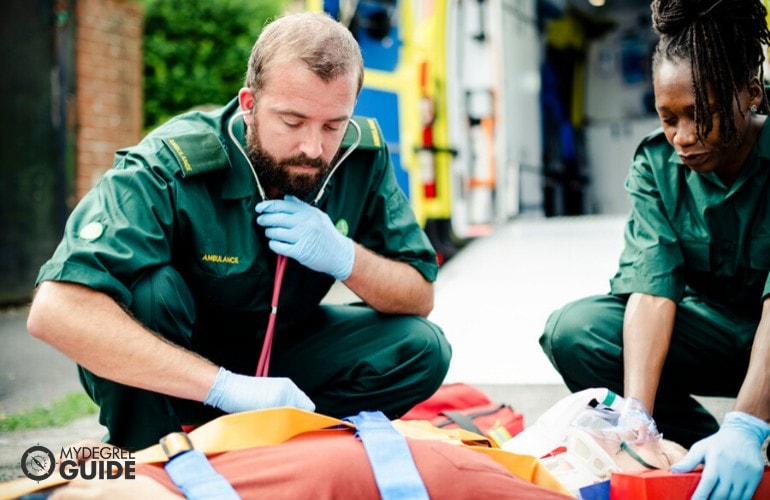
x=234 y=393
x=306 y=234
x=733 y=458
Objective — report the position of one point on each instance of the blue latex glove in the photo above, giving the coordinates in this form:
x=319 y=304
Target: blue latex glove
x=234 y=393
x=733 y=458
x=306 y=234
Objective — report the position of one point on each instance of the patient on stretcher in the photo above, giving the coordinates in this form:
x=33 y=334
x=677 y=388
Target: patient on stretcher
x=590 y=434
x=581 y=440
x=325 y=464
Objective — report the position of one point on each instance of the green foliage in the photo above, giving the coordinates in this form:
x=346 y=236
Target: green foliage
x=61 y=412
x=195 y=52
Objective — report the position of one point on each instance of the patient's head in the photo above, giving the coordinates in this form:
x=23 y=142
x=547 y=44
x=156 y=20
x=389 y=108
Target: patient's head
x=658 y=454
x=603 y=441
x=599 y=443
x=592 y=457
x=602 y=453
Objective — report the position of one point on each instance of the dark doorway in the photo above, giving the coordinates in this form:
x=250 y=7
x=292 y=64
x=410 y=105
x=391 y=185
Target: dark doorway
x=36 y=156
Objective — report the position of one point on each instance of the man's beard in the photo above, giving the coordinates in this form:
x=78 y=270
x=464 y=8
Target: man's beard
x=275 y=174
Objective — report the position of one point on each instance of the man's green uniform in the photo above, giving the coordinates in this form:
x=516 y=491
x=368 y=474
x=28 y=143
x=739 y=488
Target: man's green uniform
x=700 y=243
x=170 y=233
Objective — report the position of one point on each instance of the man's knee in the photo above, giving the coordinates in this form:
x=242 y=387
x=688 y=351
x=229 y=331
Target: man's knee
x=430 y=345
x=163 y=303
x=424 y=354
x=442 y=352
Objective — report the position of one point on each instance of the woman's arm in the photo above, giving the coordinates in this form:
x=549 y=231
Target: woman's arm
x=647 y=329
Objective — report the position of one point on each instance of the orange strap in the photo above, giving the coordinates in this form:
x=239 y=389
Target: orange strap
x=228 y=432
x=276 y=425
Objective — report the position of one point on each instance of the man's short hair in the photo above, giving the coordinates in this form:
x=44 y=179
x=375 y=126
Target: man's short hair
x=327 y=48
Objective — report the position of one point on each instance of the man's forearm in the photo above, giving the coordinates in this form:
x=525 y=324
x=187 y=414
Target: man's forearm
x=95 y=332
x=389 y=286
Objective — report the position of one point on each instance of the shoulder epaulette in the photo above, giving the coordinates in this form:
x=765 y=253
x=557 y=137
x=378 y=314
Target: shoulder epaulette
x=371 y=135
x=197 y=153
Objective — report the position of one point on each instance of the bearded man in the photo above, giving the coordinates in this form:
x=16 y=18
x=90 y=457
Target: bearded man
x=162 y=288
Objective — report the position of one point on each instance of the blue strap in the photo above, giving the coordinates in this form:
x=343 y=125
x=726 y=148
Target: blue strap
x=392 y=462
x=196 y=478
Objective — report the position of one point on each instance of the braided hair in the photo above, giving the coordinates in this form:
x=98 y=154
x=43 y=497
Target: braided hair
x=722 y=40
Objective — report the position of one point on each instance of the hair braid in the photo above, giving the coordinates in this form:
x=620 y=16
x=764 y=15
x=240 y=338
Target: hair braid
x=723 y=42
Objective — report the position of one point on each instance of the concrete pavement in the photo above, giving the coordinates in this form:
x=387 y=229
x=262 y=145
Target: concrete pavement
x=34 y=374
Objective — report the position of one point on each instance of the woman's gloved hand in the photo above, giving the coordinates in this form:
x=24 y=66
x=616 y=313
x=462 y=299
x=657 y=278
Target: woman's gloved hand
x=234 y=393
x=732 y=457
x=306 y=234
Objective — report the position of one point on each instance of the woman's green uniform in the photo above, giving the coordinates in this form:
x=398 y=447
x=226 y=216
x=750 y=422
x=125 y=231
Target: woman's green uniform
x=700 y=243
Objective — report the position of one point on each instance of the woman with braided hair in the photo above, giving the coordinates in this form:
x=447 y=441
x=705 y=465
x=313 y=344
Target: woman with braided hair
x=688 y=311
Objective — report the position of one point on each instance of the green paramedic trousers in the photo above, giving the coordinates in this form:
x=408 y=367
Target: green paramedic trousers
x=709 y=356
x=346 y=358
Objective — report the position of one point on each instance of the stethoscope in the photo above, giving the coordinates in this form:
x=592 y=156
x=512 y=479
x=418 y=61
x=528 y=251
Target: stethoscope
x=280 y=267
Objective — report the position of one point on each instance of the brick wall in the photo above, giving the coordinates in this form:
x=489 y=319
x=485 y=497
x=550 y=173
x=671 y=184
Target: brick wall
x=108 y=93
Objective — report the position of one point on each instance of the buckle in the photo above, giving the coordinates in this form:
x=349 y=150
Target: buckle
x=175 y=443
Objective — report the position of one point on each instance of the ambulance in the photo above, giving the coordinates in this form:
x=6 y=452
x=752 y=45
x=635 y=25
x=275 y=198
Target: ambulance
x=465 y=136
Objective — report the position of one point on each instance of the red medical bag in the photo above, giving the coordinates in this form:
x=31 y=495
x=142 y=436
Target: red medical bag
x=464 y=406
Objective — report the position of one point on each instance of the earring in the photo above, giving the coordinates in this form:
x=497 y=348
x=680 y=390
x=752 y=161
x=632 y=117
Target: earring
x=753 y=108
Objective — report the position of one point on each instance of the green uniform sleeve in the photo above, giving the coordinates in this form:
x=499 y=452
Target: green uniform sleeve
x=123 y=226
x=651 y=260
x=389 y=226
